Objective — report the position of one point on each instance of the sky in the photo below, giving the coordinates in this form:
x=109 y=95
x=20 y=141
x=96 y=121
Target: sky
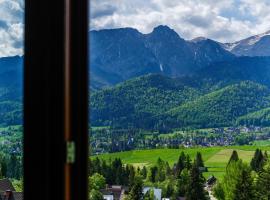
x=221 y=20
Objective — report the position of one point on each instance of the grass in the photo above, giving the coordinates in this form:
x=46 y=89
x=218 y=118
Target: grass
x=261 y=143
x=215 y=158
x=217 y=163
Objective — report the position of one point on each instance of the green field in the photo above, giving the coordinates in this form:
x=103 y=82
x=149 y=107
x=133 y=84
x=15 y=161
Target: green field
x=215 y=158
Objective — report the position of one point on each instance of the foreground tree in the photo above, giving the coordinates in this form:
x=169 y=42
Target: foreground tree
x=238 y=182
x=244 y=188
x=149 y=195
x=195 y=188
x=136 y=192
x=97 y=182
x=144 y=172
x=218 y=192
x=234 y=157
x=95 y=195
x=257 y=161
x=198 y=160
x=182 y=183
x=263 y=183
x=180 y=165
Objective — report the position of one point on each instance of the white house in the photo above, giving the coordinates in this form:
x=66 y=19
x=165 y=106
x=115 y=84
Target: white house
x=108 y=197
x=157 y=192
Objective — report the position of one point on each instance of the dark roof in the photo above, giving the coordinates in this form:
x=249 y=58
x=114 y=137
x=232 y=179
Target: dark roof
x=5 y=185
x=17 y=195
x=211 y=180
x=116 y=191
x=13 y=196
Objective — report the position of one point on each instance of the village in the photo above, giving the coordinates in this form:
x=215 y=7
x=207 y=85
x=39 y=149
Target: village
x=110 y=140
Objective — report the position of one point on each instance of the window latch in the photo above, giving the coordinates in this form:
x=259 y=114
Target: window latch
x=71 y=150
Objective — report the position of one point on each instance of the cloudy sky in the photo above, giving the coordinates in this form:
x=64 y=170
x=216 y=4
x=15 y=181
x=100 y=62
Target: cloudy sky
x=11 y=27
x=222 y=20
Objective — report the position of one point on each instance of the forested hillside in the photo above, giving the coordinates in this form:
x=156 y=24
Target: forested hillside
x=11 y=87
x=221 y=107
x=158 y=102
x=137 y=101
x=258 y=118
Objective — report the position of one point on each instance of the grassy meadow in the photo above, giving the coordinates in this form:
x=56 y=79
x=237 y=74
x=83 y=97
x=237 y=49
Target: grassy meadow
x=215 y=158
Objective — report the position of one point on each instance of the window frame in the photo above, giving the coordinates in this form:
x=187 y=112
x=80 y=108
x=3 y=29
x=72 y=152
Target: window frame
x=47 y=172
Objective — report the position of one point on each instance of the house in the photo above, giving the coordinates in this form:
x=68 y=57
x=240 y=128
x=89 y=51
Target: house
x=210 y=182
x=7 y=191
x=181 y=198
x=157 y=192
x=114 y=192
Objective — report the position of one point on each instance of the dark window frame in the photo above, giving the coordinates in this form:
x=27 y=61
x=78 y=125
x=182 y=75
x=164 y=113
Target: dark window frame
x=47 y=174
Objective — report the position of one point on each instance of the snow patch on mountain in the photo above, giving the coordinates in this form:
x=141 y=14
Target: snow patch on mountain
x=161 y=67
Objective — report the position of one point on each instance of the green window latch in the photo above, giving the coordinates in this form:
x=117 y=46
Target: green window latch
x=71 y=148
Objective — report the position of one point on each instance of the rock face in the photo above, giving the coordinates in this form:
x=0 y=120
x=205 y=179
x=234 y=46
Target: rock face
x=120 y=54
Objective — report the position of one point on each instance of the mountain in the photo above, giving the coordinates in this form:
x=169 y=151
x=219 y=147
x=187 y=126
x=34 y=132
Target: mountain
x=221 y=107
x=216 y=75
x=258 y=45
x=117 y=55
x=135 y=102
x=11 y=87
x=159 y=102
x=121 y=54
x=11 y=78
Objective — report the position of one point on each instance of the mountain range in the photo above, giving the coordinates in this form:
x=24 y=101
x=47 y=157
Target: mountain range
x=117 y=55
x=162 y=81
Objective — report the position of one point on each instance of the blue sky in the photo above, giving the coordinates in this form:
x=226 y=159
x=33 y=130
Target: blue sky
x=222 y=20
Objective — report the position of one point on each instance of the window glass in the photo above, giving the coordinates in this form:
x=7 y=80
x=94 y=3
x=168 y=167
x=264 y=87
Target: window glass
x=11 y=95
x=179 y=99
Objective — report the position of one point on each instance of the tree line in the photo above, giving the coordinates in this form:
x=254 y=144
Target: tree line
x=183 y=179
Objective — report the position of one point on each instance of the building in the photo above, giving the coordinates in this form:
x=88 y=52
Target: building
x=7 y=191
x=210 y=182
x=114 y=192
x=157 y=192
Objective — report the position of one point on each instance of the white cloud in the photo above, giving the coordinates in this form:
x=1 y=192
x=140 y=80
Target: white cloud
x=11 y=27
x=222 y=20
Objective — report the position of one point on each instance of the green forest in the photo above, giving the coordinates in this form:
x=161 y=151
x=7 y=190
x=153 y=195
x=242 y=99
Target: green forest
x=156 y=102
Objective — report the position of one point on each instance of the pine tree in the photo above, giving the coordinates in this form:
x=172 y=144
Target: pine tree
x=131 y=175
x=238 y=182
x=153 y=174
x=182 y=183
x=257 y=161
x=136 y=192
x=144 y=172
x=195 y=189
x=13 y=167
x=188 y=164
x=218 y=192
x=234 y=157
x=180 y=164
x=169 y=190
x=263 y=183
x=198 y=160
x=244 y=188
